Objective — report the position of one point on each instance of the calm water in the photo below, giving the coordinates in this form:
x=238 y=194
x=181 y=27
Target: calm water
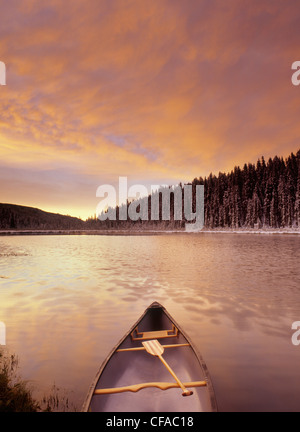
x=67 y=300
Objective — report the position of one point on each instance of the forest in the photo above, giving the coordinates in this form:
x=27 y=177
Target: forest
x=16 y=217
x=261 y=195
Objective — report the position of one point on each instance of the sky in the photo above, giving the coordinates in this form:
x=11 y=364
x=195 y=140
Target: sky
x=160 y=92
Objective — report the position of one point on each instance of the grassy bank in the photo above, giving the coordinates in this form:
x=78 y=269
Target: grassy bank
x=15 y=394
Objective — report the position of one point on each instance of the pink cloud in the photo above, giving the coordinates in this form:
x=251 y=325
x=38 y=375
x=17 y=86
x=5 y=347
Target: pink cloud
x=171 y=90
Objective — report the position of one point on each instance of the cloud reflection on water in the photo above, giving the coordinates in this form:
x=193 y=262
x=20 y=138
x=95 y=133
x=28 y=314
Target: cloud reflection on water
x=68 y=300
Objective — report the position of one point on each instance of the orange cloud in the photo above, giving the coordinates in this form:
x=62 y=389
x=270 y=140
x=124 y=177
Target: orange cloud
x=163 y=90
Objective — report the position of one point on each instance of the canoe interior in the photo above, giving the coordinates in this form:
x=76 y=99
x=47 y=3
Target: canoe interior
x=133 y=367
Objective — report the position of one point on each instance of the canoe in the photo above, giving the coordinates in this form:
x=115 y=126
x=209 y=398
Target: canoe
x=150 y=369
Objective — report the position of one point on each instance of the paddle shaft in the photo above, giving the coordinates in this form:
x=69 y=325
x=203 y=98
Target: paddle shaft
x=154 y=348
x=137 y=387
x=186 y=392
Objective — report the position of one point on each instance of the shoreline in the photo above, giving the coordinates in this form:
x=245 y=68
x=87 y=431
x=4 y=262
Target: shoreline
x=269 y=231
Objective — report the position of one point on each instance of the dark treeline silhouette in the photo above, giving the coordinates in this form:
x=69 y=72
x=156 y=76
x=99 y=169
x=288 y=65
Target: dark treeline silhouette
x=261 y=195
x=15 y=217
x=265 y=194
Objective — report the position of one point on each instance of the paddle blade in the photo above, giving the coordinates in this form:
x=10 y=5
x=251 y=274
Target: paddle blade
x=153 y=347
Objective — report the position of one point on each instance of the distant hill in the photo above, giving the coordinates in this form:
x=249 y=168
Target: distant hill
x=20 y=217
x=261 y=195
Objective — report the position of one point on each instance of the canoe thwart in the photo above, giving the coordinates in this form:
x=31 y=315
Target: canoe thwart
x=156 y=334
x=134 y=364
x=143 y=348
x=137 y=387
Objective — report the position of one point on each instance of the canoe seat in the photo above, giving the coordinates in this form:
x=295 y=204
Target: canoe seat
x=155 y=334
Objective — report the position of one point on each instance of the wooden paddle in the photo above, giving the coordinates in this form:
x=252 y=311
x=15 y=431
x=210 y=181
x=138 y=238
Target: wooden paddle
x=137 y=387
x=154 y=348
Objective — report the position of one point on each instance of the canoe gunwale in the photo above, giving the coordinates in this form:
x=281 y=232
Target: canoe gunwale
x=209 y=386
x=202 y=363
x=88 y=399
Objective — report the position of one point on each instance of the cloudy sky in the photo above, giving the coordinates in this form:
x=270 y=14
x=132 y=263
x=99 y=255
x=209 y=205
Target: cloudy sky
x=159 y=91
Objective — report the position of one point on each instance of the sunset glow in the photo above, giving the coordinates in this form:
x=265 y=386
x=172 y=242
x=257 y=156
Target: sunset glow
x=160 y=92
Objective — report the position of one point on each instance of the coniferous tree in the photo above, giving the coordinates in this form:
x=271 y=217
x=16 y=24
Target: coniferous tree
x=265 y=194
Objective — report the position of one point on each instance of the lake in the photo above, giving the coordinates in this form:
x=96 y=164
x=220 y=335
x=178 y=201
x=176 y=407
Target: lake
x=67 y=300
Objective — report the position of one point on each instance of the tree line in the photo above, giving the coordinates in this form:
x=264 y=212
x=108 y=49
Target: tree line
x=265 y=194
x=16 y=217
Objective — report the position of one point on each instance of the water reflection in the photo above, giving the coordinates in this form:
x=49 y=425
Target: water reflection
x=67 y=300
